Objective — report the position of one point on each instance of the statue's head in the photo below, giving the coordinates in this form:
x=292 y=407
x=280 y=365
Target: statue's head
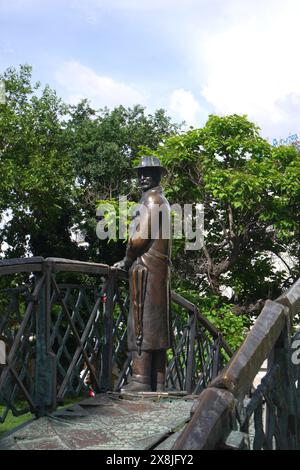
x=150 y=172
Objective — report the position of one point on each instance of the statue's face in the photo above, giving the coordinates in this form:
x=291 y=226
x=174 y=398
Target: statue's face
x=148 y=178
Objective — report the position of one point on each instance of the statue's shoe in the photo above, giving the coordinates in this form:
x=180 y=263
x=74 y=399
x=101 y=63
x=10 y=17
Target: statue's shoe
x=134 y=386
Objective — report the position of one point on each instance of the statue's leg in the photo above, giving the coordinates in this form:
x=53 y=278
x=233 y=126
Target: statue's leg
x=141 y=373
x=159 y=370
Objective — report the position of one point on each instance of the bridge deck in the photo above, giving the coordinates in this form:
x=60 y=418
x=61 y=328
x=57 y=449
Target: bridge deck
x=108 y=421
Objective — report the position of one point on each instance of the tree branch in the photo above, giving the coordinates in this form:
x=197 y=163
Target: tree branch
x=253 y=309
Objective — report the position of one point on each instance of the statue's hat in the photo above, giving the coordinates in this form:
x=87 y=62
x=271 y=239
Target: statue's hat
x=150 y=162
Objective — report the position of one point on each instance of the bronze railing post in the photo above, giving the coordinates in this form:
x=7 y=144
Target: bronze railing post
x=189 y=385
x=107 y=351
x=45 y=374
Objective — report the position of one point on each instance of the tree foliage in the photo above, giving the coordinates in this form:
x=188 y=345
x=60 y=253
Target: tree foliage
x=37 y=173
x=251 y=196
x=57 y=160
x=106 y=143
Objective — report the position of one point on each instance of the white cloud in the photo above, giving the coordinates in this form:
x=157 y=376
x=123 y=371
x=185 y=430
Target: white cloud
x=251 y=66
x=235 y=56
x=79 y=81
x=241 y=56
x=184 y=107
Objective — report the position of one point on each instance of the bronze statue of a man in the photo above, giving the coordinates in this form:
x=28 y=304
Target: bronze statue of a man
x=148 y=260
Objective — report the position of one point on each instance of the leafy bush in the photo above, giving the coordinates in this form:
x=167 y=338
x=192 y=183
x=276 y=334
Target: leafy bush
x=233 y=328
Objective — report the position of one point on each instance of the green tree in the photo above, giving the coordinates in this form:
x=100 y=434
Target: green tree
x=57 y=160
x=250 y=193
x=106 y=143
x=37 y=174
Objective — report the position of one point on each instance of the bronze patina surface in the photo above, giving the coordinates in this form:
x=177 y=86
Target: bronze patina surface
x=148 y=261
x=108 y=421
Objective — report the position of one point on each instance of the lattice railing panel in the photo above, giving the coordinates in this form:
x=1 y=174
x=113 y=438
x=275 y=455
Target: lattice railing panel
x=18 y=331
x=83 y=305
x=65 y=331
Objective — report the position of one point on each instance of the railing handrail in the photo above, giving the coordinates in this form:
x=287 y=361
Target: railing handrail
x=36 y=263
x=217 y=400
x=240 y=372
x=204 y=321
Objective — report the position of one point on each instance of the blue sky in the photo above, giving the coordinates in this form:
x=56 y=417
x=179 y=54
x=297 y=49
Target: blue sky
x=192 y=57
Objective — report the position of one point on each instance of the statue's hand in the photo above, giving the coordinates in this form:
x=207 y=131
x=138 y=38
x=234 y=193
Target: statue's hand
x=120 y=265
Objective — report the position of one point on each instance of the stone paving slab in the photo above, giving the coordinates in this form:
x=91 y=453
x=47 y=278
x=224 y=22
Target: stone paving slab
x=107 y=421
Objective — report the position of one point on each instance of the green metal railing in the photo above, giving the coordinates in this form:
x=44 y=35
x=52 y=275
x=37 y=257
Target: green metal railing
x=63 y=323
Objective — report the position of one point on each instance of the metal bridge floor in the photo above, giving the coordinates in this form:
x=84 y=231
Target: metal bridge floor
x=108 y=421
